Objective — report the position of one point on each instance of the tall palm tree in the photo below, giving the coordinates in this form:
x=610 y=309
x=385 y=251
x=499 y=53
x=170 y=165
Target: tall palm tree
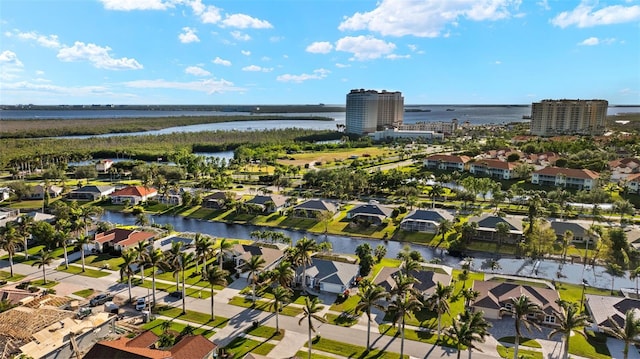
x=129 y=258
x=305 y=248
x=62 y=238
x=140 y=249
x=253 y=267
x=172 y=258
x=86 y=214
x=25 y=225
x=370 y=297
x=224 y=248
x=520 y=308
x=569 y=320
x=204 y=249
x=281 y=296
x=467 y=329
x=635 y=274
x=214 y=276
x=186 y=258
x=409 y=265
x=154 y=258
x=43 y=261
x=469 y=295
x=9 y=242
x=438 y=302
x=628 y=332
x=282 y=274
x=404 y=304
x=81 y=241
x=311 y=307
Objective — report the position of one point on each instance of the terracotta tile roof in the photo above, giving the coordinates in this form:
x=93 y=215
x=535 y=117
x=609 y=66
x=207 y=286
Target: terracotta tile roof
x=568 y=172
x=633 y=178
x=144 y=340
x=139 y=191
x=123 y=237
x=625 y=162
x=449 y=158
x=192 y=347
x=496 y=164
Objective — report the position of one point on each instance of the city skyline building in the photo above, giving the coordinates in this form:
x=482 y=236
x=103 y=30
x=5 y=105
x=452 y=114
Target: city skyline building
x=568 y=117
x=370 y=110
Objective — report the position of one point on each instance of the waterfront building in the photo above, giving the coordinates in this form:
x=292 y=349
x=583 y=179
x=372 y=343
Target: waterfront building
x=565 y=177
x=568 y=117
x=447 y=162
x=448 y=128
x=370 y=110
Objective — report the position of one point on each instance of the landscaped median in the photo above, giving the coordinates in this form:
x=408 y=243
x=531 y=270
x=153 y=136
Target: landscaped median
x=192 y=316
x=264 y=305
x=88 y=272
x=349 y=350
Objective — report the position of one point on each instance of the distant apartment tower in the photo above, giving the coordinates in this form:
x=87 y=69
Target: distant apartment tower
x=568 y=117
x=370 y=110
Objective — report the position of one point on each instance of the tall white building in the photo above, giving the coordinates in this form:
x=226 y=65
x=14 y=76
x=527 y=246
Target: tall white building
x=369 y=110
x=568 y=117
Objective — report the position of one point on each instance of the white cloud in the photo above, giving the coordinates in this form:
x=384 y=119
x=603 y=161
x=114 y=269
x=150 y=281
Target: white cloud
x=98 y=56
x=209 y=86
x=497 y=62
x=9 y=58
x=317 y=74
x=246 y=52
x=188 y=35
x=240 y=36
x=397 y=57
x=544 y=4
x=276 y=38
x=208 y=14
x=320 y=47
x=50 y=41
x=342 y=66
x=256 y=68
x=197 y=71
x=365 y=47
x=592 y=41
x=425 y=18
x=128 y=5
x=585 y=16
x=242 y=21
x=219 y=61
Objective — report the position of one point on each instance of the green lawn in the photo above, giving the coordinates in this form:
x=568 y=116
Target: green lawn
x=239 y=347
x=573 y=292
x=594 y=346
x=193 y=291
x=264 y=305
x=305 y=354
x=103 y=260
x=525 y=342
x=88 y=272
x=192 y=316
x=337 y=319
x=84 y=293
x=385 y=262
x=40 y=283
x=350 y=350
x=6 y=275
x=266 y=332
x=522 y=353
x=156 y=327
x=348 y=305
x=426 y=336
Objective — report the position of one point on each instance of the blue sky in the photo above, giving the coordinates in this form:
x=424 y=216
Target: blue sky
x=315 y=51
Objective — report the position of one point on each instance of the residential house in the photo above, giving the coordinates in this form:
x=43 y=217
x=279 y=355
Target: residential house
x=269 y=204
x=632 y=183
x=90 y=193
x=171 y=197
x=220 y=199
x=496 y=295
x=329 y=276
x=487 y=223
x=41 y=217
x=601 y=308
x=372 y=213
x=580 y=229
x=119 y=239
x=494 y=169
x=582 y=179
x=133 y=195
x=625 y=165
x=313 y=208
x=447 y=162
x=8 y=215
x=37 y=191
x=103 y=166
x=540 y=160
x=500 y=155
x=241 y=253
x=425 y=284
x=5 y=193
x=144 y=346
x=425 y=220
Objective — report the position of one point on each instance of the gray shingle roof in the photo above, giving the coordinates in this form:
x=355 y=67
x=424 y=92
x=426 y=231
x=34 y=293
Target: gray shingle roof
x=332 y=271
x=436 y=215
x=371 y=209
x=317 y=205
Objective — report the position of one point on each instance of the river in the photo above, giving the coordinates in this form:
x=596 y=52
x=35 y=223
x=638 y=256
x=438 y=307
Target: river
x=546 y=269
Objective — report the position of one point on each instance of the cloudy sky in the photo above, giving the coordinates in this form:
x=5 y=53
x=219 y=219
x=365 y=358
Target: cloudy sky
x=315 y=51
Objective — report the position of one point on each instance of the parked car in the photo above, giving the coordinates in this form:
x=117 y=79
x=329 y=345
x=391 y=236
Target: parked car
x=176 y=294
x=100 y=299
x=142 y=303
x=83 y=312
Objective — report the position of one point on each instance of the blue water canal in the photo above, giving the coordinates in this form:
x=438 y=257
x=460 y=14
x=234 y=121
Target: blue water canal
x=546 y=269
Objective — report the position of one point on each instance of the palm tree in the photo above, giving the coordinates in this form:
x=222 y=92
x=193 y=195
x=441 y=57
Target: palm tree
x=623 y=207
x=61 y=238
x=403 y=305
x=305 y=247
x=140 y=249
x=43 y=261
x=311 y=307
x=520 y=308
x=438 y=302
x=469 y=295
x=186 y=258
x=225 y=248
x=142 y=220
x=172 y=258
x=203 y=249
x=282 y=274
x=444 y=227
x=567 y=238
x=569 y=320
x=468 y=328
x=214 y=276
x=80 y=243
x=370 y=297
x=628 y=332
x=25 y=224
x=253 y=267
x=9 y=243
x=129 y=258
x=86 y=214
x=281 y=296
x=154 y=259
x=502 y=231
x=635 y=274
